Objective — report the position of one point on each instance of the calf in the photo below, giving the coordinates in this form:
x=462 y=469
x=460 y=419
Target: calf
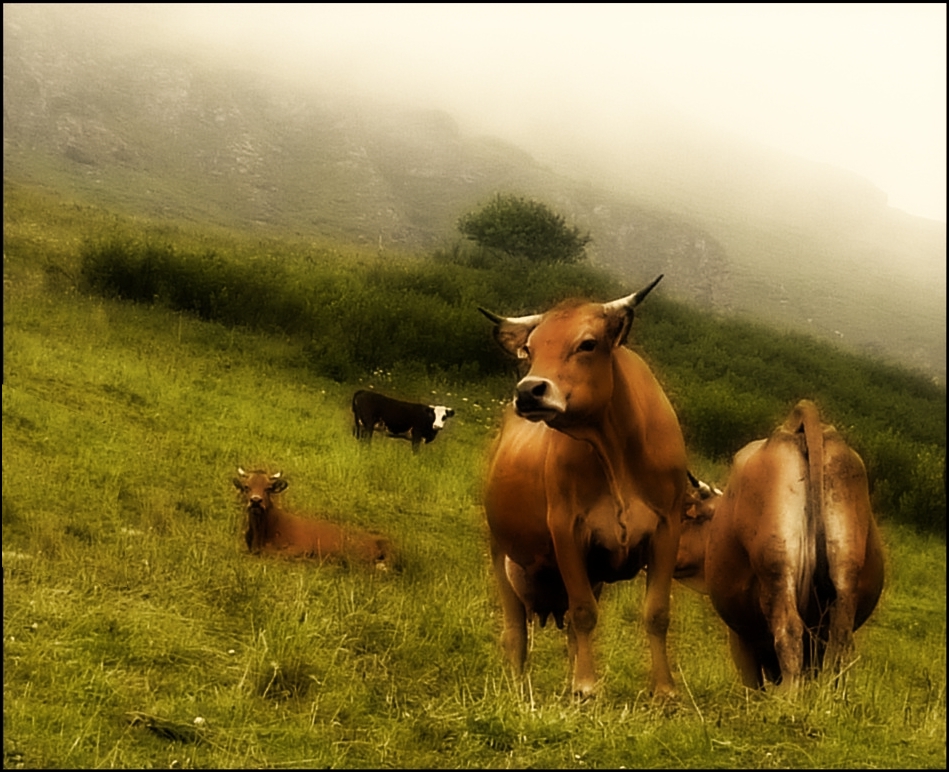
x=409 y=420
x=270 y=530
x=793 y=561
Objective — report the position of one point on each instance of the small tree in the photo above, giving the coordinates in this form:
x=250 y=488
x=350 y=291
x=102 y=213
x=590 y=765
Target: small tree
x=526 y=228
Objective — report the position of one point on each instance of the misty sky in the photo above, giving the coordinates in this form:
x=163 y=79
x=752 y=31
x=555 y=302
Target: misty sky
x=860 y=86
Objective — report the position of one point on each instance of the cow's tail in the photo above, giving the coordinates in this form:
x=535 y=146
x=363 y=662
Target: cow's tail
x=805 y=419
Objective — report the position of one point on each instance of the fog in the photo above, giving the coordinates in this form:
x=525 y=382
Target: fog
x=861 y=87
x=857 y=86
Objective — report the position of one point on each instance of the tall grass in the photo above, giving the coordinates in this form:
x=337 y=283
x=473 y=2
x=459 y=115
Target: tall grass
x=132 y=609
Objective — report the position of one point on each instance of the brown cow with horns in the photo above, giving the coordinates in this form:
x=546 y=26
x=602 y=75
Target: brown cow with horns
x=790 y=555
x=273 y=531
x=586 y=483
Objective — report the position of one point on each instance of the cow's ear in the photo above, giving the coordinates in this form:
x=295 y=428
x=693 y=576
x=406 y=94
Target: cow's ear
x=511 y=333
x=512 y=337
x=618 y=324
x=278 y=485
x=238 y=483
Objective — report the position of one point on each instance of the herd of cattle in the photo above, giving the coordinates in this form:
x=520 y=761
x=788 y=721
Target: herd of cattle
x=588 y=484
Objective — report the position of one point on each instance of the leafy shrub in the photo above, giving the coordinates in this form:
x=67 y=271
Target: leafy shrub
x=720 y=419
x=521 y=227
x=908 y=479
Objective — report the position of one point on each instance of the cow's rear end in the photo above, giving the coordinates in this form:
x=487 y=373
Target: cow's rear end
x=794 y=562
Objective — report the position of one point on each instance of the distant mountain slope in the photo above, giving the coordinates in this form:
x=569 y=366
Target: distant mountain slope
x=150 y=131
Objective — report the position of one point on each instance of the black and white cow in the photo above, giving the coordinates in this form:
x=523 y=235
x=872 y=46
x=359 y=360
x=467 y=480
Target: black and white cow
x=409 y=420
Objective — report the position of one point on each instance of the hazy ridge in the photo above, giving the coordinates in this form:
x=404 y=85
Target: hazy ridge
x=734 y=227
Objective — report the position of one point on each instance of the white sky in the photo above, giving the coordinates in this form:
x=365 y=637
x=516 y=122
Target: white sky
x=859 y=86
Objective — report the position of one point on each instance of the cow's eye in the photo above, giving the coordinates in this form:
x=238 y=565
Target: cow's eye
x=588 y=345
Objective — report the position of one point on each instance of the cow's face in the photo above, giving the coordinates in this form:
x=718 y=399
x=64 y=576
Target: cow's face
x=257 y=487
x=440 y=415
x=568 y=357
x=698 y=510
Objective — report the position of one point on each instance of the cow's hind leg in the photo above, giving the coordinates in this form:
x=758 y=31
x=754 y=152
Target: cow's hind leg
x=853 y=556
x=362 y=431
x=746 y=660
x=779 y=605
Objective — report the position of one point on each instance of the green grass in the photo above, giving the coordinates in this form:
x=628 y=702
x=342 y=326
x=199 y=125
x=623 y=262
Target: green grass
x=131 y=606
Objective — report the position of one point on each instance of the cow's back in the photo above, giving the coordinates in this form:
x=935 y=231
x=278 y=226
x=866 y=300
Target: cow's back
x=744 y=536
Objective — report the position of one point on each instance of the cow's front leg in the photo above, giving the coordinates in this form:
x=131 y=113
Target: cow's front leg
x=664 y=544
x=581 y=600
x=514 y=634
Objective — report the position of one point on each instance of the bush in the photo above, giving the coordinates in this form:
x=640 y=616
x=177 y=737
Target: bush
x=720 y=419
x=908 y=479
x=520 y=227
x=350 y=323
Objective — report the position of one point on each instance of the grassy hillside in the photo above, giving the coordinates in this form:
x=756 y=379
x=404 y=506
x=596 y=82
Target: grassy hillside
x=166 y=133
x=414 y=318
x=139 y=633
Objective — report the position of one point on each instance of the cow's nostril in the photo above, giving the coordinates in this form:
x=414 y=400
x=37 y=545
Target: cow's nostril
x=540 y=389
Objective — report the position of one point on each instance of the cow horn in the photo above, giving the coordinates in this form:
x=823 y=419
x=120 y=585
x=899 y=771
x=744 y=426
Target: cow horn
x=493 y=317
x=529 y=321
x=241 y=472
x=631 y=301
x=275 y=475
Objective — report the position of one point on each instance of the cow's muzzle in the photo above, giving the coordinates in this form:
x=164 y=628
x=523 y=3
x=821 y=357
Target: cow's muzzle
x=538 y=399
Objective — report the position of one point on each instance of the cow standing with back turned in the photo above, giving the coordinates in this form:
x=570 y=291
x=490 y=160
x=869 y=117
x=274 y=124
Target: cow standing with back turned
x=790 y=555
x=586 y=481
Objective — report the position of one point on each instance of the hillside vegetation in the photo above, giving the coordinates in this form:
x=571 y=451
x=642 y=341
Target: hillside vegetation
x=416 y=319
x=138 y=632
x=152 y=128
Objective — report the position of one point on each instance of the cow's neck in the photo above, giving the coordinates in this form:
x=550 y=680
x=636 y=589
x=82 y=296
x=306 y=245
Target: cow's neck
x=263 y=526
x=615 y=436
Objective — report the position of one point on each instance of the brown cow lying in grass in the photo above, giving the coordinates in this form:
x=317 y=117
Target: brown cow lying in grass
x=270 y=530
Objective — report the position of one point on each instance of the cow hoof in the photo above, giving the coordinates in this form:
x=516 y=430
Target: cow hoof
x=584 y=691
x=665 y=693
